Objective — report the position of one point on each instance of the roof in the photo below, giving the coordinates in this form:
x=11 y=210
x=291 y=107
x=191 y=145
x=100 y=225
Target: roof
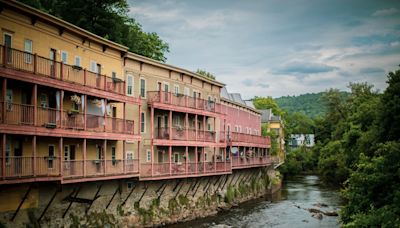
x=267 y=116
x=36 y=14
x=236 y=99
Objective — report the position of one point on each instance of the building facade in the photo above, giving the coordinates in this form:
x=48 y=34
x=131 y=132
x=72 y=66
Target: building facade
x=75 y=107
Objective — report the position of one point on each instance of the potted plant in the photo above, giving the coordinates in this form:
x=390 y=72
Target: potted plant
x=77 y=100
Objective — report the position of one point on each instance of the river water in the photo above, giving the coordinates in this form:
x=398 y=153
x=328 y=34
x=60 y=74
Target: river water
x=287 y=208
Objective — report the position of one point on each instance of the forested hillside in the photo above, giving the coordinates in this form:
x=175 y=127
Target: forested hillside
x=309 y=104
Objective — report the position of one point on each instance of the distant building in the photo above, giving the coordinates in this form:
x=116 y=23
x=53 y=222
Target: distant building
x=298 y=140
x=275 y=123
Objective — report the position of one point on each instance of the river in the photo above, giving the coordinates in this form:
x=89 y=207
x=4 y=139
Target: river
x=287 y=208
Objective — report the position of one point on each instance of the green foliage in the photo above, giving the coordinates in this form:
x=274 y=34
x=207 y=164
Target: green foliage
x=300 y=160
x=205 y=74
x=309 y=104
x=267 y=103
x=108 y=19
x=94 y=219
x=229 y=195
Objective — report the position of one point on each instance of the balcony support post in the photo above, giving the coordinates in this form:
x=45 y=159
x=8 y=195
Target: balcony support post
x=186 y=159
x=60 y=155
x=204 y=159
x=196 y=127
x=105 y=155
x=196 y=159
x=170 y=159
x=4 y=98
x=215 y=160
x=124 y=118
x=84 y=77
x=34 y=155
x=140 y=120
x=85 y=113
x=124 y=155
x=152 y=139
x=204 y=128
x=84 y=156
x=3 y=152
x=34 y=102
x=61 y=107
x=105 y=115
x=187 y=126
x=62 y=70
x=170 y=124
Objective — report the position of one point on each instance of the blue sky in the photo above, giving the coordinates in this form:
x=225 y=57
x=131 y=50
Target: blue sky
x=278 y=48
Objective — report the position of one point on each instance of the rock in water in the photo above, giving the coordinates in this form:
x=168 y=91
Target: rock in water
x=317 y=216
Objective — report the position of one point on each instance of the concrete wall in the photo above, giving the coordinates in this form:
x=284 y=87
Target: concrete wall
x=133 y=203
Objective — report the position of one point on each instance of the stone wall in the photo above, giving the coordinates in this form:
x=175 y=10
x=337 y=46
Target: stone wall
x=130 y=203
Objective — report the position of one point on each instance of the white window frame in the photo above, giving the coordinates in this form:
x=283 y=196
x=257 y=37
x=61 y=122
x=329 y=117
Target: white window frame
x=28 y=57
x=66 y=55
x=130 y=155
x=186 y=91
x=9 y=59
x=80 y=61
x=129 y=76
x=148 y=155
x=113 y=153
x=142 y=120
x=140 y=87
x=67 y=153
x=93 y=66
x=176 y=89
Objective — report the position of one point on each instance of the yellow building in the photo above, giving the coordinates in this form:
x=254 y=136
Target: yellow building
x=275 y=124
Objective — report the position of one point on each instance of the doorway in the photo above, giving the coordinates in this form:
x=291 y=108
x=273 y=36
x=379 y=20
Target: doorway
x=53 y=58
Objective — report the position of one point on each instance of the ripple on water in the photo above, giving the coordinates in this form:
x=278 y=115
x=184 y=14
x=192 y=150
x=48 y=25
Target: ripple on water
x=288 y=208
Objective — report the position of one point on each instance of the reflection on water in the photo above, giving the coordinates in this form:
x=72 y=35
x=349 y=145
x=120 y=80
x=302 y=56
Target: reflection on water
x=286 y=208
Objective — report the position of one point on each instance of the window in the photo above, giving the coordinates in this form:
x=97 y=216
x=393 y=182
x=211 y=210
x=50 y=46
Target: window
x=8 y=150
x=142 y=122
x=77 y=61
x=176 y=157
x=113 y=75
x=64 y=57
x=9 y=100
x=129 y=87
x=143 y=88
x=186 y=91
x=28 y=49
x=66 y=153
x=51 y=156
x=113 y=156
x=93 y=66
x=176 y=89
x=8 y=44
x=43 y=100
x=129 y=155
x=148 y=155
x=177 y=120
x=209 y=126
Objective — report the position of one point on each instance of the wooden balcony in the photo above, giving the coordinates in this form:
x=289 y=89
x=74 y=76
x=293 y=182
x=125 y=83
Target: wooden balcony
x=24 y=114
x=185 y=134
x=45 y=70
x=183 y=103
x=30 y=169
x=248 y=140
x=250 y=162
x=172 y=170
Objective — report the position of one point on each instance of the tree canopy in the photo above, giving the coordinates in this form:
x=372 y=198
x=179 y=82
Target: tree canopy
x=205 y=74
x=267 y=103
x=108 y=19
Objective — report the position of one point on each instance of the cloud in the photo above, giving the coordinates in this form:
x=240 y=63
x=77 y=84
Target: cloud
x=385 y=12
x=371 y=70
x=255 y=83
x=304 y=68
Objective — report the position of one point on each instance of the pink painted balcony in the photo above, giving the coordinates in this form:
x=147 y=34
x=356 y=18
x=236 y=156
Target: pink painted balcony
x=166 y=169
x=17 y=167
x=180 y=134
x=23 y=114
x=183 y=101
x=247 y=138
x=19 y=60
x=246 y=162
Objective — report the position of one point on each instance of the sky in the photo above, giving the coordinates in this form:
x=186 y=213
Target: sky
x=275 y=47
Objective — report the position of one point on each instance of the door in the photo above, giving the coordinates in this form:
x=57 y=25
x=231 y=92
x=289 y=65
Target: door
x=18 y=156
x=72 y=152
x=51 y=157
x=159 y=130
x=166 y=94
x=98 y=76
x=165 y=129
x=114 y=120
x=53 y=59
x=26 y=111
x=8 y=45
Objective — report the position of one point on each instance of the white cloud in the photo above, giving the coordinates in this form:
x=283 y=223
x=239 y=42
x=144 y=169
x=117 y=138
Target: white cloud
x=385 y=12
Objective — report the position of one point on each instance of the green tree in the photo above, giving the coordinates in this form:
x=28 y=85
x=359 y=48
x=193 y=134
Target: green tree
x=267 y=103
x=205 y=74
x=108 y=19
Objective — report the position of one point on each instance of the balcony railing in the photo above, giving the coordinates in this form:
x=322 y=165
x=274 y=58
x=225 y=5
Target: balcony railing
x=17 y=167
x=243 y=162
x=19 y=60
x=183 y=101
x=23 y=114
x=180 y=134
x=183 y=168
x=241 y=137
